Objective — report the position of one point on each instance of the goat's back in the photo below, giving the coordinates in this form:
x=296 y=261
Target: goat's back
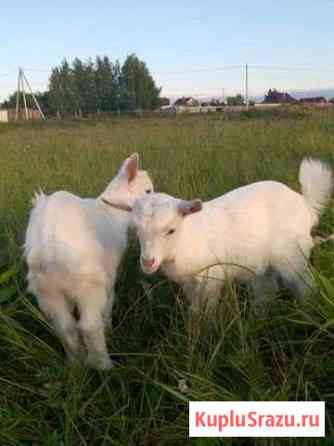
x=69 y=234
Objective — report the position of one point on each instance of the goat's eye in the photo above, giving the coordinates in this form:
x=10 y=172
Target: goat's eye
x=170 y=232
x=148 y=191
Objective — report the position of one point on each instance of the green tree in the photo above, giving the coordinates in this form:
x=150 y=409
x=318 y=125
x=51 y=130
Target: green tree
x=138 y=87
x=108 y=80
x=63 y=97
x=79 y=85
x=84 y=85
x=101 y=86
x=104 y=84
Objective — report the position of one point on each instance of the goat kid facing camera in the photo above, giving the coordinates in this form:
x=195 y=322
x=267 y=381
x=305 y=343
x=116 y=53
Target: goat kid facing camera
x=244 y=234
x=73 y=249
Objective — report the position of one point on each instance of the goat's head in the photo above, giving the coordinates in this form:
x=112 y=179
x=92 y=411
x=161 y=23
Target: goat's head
x=129 y=184
x=159 y=220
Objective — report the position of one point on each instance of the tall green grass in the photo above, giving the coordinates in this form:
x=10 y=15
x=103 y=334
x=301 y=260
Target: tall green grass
x=165 y=358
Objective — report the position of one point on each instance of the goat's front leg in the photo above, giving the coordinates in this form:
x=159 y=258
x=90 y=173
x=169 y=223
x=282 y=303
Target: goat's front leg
x=211 y=285
x=203 y=292
x=191 y=290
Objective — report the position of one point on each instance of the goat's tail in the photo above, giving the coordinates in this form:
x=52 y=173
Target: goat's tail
x=316 y=180
x=31 y=253
x=33 y=258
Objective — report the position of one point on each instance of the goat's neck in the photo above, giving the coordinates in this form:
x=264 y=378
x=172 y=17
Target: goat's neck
x=114 y=211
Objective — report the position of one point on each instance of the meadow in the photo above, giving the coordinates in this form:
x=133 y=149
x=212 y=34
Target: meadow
x=163 y=361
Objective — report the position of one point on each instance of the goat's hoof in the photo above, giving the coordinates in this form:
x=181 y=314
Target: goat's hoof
x=106 y=365
x=74 y=359
x=101 y=363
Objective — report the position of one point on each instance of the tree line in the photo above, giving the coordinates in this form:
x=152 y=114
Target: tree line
x=84 y=87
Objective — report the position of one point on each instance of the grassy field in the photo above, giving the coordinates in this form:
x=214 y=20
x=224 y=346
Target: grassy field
x=162 y=361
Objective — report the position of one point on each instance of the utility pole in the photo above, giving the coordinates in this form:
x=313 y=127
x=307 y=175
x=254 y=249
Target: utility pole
x=33 y=96
x=24 y=96
x=20 y=89
x=18 y=96
x=246 y=88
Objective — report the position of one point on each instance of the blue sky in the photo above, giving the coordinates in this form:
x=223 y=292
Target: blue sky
x=287 y=44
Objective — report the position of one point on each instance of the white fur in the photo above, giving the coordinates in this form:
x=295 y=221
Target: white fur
x=316 y=181
x=244 y=234
x=73 y=249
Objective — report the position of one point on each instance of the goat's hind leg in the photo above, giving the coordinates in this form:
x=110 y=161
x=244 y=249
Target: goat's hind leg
x=55 y=307
x=297 y=277
x=92 y=302
x=264 y=287
x=107 y=313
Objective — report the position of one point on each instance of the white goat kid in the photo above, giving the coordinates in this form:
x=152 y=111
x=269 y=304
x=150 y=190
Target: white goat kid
x=245 y=233
x=73 y=248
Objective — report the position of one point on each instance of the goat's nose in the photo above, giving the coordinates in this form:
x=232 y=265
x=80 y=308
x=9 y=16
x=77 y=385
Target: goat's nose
x=148 y=263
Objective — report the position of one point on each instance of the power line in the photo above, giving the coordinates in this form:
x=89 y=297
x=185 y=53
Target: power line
x=208 y=69
x=292 y=68
x=201 y=70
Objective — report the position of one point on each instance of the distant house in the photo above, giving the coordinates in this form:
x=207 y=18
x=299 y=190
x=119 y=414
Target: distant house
x=213 y=103
x=186 y=102
x=276 y=97
x=10 y=115
x=212 y=106
x=316 y=102
x=187 y=105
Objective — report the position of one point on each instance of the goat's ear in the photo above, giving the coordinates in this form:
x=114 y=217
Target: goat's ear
x=189 y=207
x=117 y=205
x=130 y=167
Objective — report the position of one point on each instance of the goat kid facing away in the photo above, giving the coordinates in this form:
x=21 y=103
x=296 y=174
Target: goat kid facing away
x=244 y=234
x=73 y=249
